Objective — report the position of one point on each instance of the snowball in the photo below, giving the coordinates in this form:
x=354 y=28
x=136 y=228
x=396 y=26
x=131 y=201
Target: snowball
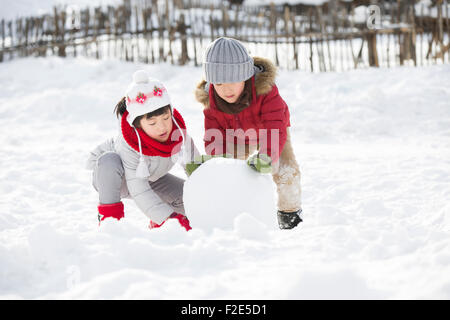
x=222 y=189
x=140 y=76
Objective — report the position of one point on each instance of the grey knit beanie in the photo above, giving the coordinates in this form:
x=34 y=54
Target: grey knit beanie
x=226 y=60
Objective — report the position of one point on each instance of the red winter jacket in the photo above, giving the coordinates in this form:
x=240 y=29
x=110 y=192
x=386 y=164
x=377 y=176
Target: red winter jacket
x=267 y=111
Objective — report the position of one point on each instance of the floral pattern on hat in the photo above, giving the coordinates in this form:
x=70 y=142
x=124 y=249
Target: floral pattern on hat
x=141 y=98
x=157 y=92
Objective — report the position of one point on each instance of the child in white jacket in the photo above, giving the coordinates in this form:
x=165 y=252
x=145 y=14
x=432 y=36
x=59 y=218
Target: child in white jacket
x=152 y=138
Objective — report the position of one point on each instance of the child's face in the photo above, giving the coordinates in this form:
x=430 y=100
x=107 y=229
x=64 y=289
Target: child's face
x=230 y=92
x=158 y=127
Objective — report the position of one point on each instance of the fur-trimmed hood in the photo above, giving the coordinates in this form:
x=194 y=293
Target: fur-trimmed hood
x=264 y=81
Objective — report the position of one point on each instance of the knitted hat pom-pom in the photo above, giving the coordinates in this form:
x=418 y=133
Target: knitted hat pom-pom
x=140 y=76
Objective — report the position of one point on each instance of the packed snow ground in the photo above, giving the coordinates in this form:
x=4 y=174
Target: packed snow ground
x=373 y=147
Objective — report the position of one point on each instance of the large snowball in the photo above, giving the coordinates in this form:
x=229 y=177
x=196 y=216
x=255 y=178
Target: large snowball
x=222 y=189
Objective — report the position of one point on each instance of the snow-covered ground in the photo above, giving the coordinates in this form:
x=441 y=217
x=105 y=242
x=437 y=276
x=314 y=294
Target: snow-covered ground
x=374 y=151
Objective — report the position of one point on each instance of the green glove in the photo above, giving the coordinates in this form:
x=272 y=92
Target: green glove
x=260 y=162
x=192 y=166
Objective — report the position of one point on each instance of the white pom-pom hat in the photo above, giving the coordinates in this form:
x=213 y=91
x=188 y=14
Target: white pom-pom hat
x=144 y=95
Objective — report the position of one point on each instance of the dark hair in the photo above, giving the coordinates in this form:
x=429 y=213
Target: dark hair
x=121 y=107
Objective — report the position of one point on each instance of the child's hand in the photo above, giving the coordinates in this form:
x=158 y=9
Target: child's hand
x=183 y=220
x=260 y=162
x=192 y=166
x=153 y=225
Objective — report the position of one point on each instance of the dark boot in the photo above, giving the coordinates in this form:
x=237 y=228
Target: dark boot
x=289 y=220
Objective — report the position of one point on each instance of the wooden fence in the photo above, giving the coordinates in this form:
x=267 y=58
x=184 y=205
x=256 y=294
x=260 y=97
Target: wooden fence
x=335 y=36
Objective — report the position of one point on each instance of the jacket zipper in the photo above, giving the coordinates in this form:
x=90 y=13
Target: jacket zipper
x=237 y=121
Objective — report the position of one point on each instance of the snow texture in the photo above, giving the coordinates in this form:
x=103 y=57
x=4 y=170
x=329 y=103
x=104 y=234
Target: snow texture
x=374 y=151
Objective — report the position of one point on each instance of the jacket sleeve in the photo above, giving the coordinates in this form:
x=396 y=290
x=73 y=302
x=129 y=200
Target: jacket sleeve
x=140 y=190
x=275 y=118
x=215 y=138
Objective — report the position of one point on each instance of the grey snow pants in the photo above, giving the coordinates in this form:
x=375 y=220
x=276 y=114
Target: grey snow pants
x=108 y=179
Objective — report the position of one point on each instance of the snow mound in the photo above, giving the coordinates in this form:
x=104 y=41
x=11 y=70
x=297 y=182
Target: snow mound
x=373 y=147
x=220 y=190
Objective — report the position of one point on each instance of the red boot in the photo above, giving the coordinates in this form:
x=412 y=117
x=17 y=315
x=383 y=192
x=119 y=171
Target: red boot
x=113 y=210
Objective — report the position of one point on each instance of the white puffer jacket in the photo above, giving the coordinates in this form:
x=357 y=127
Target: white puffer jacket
x=139 y=188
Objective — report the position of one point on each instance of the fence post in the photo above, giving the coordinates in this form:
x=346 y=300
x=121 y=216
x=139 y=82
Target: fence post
x=372 y=48
x=184 y=49
x=160 y=15
x=352 y=24
x=236 y=19
x=412 y=14
x=448 y=29
x=11 y=39
x=97 y=17
x=211 y=22
x=62 y=47
x=58 y=36
x=19 y=36
x=287 y=14
x=310 y=41
x=150 y=13
x=137 y=32
x=42 y=45
x=440 y=36
x=401 y=35
x=27 y=26
x=224 y=19
x=273 y=16
x=72 y=32
x=193 y=30
x=86 y=19
x=294 y=40
x=144 y=13
x=318 y=16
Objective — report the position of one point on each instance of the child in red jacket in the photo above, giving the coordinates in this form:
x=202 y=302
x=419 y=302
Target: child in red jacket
x=245 y=117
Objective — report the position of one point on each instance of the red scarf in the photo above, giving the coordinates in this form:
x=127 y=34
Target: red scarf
x=151 y=147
